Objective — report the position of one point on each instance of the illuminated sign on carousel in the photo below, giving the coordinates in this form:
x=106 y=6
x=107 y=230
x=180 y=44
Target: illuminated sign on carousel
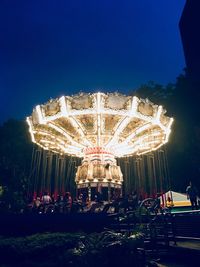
x=99 y=128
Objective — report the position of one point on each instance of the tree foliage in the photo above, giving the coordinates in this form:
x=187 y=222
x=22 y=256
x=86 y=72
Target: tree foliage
x=180 y=101
x=15 y=157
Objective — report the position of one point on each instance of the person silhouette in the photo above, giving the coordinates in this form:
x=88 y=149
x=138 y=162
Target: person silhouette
x=192 y=195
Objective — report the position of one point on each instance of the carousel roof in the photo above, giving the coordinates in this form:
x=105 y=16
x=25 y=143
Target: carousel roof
x=123 y=125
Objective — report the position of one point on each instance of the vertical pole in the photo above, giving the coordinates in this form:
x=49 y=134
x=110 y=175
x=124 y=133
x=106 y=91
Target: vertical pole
x=109 y=192
x=89 y=193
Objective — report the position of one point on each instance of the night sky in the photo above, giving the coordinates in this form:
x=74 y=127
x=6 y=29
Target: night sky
x=53 y=47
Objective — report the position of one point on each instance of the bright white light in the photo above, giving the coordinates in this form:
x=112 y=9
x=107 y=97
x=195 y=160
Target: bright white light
x=39 y=113
x=63 y=107
x=30 y=130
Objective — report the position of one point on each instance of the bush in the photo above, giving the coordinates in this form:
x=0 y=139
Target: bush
x=66 y=249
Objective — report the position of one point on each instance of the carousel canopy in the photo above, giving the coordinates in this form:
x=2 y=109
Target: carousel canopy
x=112 y=123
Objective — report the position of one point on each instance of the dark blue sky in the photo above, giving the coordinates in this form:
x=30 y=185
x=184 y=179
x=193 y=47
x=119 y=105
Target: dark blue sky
x=53 y=47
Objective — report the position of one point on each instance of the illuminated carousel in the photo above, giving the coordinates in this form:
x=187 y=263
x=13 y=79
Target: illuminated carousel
x=99 y=128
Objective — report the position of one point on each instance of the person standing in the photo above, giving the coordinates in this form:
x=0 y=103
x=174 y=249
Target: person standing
x=46 y=199
x=67 y=202
x=192 y=195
